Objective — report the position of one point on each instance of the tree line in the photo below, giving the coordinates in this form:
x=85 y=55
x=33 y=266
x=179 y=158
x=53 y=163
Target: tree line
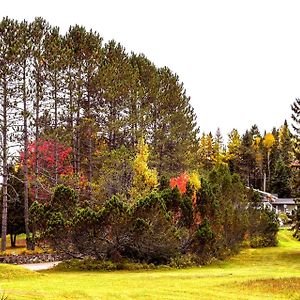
x=265 y=161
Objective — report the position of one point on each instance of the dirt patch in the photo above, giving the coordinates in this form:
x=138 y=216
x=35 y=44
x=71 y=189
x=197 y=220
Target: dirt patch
x=40 y=266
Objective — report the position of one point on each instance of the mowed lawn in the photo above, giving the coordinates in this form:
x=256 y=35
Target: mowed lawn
x=270 y=273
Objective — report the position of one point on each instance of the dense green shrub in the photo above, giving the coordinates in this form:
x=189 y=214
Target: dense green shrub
x=263 y=226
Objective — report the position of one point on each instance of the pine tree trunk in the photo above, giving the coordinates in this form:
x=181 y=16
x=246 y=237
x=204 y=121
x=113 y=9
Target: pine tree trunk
x=90 y=169
x=79 y=98
x=55 y=129
x=37 y=116
x=71 y=120
x=4 y=204
x=25 y=163
x=4 y=166
x=13 y=240
x=77 y=138
x=269 y=171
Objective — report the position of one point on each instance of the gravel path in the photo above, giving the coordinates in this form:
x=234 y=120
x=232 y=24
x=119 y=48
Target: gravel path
x=40 y=266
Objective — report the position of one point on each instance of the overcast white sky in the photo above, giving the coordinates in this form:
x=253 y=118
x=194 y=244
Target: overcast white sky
x=239 y=60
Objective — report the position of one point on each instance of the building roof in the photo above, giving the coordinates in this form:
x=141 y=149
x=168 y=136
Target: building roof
x=287 y=201
x=273 y=198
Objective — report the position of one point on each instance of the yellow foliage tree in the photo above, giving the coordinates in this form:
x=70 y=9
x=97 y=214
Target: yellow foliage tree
x=256 y=142
x=256 y=146
x=195 y=181
x=144 y=179
x=268 y=141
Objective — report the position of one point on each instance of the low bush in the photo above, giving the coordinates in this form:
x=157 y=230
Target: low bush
x=101 y=265
x=284 y=219
x=263 y=241
x=184 y=261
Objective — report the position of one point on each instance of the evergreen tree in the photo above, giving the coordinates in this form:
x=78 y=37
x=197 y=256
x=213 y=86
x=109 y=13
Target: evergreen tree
x=75 y=45
x=55 y=70
x=144 y=114
x=296 y=173
x=248 y=161
x=175 y=139
x=285 y=143
x=219 y=149
x=92 y=61
x=275 y=153
x=234 y=151
x=25 y=71
x=8 y=106
x=296 y=115
x=114 y=78
x=38 y=31
x=281 y=179
x=207 y=152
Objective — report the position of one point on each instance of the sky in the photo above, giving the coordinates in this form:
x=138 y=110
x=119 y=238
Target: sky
x=239 y=60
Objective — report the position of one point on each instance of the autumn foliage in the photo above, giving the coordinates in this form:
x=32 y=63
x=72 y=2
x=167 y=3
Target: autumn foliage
x=144 y=178
x=180 y=181
x=183 y=179
x=46 y=150
x=54 y=162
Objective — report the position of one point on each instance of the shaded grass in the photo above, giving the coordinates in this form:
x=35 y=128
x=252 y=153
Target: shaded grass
x=269 y=273
x=20 y=247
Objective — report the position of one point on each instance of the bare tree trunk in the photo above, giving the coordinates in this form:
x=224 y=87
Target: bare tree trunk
x=77 y=131
x=90 y=169
x=4 y=166
x=77 y=138
x=25 y=163
x=4 y=204
x=71 y=119
x=269 y=171
x=37 y=116
x=55 y=129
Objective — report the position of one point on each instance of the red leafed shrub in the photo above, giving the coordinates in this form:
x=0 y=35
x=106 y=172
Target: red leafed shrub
x=180 y=181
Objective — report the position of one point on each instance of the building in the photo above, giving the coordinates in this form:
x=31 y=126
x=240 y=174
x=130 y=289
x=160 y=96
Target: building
x=284 y=205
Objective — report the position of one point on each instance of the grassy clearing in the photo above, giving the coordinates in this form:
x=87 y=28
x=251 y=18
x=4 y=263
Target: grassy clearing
x=270 y=273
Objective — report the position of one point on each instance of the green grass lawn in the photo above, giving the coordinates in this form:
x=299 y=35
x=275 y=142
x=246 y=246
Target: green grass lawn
x=270 y=273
